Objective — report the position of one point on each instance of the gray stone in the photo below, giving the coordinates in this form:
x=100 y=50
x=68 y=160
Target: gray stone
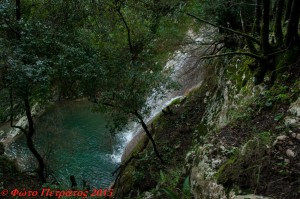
x=290 y=121
x=282 y=137
x=290 y=153
x=298 y=136
x=222 y=148
x=295 y=108
x=148 y=195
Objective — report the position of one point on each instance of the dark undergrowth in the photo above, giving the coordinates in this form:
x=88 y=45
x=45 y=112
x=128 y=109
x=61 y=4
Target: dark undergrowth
x=11 y=179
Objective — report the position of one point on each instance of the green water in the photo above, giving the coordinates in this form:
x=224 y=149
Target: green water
x=73 y=141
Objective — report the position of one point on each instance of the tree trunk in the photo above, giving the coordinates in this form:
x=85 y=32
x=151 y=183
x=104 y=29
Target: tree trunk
x=131 y=47
x=30 y=133
x=273 y=11
x=278 y=24
x=149 y=135
x=288 y=10
x=18 y=17
x=292 y=37
x=29 y=140
x=250 y=44
x=18 y=10
x=256 y=25
x=265 y=46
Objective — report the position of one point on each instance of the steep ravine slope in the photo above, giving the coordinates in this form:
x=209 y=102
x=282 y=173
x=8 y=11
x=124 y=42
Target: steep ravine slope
x=227 y=137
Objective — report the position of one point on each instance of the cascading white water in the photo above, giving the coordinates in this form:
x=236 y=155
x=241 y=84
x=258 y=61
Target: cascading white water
x=181 y=62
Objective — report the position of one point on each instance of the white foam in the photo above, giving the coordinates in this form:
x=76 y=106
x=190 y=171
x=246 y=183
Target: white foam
x=176 y=63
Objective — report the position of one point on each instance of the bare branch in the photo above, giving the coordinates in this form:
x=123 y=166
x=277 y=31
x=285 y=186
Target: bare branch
x=234 y=53
x=18 y=127
x=224 y=28
x=12 y=29
x=118 y=9
x=12 y=115
x=278 y=52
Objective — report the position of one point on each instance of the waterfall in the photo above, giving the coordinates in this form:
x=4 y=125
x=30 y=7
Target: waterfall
x=185 y=64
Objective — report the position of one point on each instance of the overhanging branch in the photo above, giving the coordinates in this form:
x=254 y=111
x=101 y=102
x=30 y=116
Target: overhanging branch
x=118 y=9
x=224 y=28
x=12 y=115
x=234 y=53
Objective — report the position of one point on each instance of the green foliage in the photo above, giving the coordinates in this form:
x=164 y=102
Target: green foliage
x=186 y=191
x=279 y=93
x=112 y=52
x=186 y=188
x=201 y=130
x=171 y=194
x=131 y=63
x=176 y=101
x=4 y=110
x=45 y=54
x=285 y=60
x=265 y=138
x=233 y=158
x=7 y=165
x=243 y=168
x=226 y=13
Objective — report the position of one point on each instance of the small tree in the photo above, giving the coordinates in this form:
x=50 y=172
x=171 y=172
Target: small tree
x=123 y=95
x=131 y=73
x=22 y=72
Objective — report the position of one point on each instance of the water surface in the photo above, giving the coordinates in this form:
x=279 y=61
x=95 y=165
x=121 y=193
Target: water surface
x=74 y=141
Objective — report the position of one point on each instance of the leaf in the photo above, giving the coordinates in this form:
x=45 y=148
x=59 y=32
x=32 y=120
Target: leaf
x=186 y=187
x=171 y=193
x=162 y=176
x=278 y=117
x=268 y=103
